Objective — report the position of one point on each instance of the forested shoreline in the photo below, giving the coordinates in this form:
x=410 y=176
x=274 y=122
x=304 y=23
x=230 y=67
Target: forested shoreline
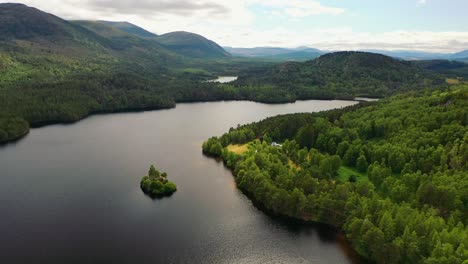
x=64 y=92
x=58 y=71
x=20 y=112
x=390 y=174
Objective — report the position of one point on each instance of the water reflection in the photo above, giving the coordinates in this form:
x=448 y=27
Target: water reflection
x=71 y=194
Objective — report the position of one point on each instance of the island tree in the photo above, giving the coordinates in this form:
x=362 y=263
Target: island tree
x=156 y=184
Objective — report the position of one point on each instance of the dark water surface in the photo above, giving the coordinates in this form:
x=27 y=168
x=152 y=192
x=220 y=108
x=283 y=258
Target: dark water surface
x=70 y=194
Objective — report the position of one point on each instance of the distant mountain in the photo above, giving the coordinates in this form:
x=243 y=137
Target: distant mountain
x=18 y=21
x=40 y=31
x=44 y=31
x=421 y=55
x=258 y=51
x=460 y=55
x=119 y=39
x=130 y=28
x=295 y=56
x=103 y=29
x=347 y=74
x=192 y=45
x=37 y=33
x=410 y=55
x=284 y=54
x=306 y=53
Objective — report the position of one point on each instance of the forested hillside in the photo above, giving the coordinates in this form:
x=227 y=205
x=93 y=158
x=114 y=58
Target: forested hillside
x=391 y=174
x=451 y=69
x=192 y=45
x=54 y=70
x=129 y=28
x=342 y=74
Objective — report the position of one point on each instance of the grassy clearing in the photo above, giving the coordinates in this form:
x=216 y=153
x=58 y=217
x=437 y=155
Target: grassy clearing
x=452 y=81
x=238 y=149
x=344 y=172
x=293 y=165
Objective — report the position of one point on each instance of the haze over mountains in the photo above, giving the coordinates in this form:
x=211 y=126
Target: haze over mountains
x=184 y=43
x=306 y=53
x=300 y=53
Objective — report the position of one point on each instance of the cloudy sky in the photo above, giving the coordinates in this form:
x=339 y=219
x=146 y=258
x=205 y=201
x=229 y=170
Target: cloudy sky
x=428 y=25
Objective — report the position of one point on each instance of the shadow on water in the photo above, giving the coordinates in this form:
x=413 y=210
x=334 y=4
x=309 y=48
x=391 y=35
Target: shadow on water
x=157 y=197
x=325 y=232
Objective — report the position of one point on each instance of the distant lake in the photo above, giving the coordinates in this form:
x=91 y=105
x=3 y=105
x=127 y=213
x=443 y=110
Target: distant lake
x=224 y=79
x=366 y=99
x=70 y=194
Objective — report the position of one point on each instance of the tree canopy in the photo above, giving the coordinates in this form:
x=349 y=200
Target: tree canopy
x=156 y=184
x=391 y=174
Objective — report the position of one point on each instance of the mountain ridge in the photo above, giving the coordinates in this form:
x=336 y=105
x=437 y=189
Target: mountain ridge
x=129 y=28
x=191 y=44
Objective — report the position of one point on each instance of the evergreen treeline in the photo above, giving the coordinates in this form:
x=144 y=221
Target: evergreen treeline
x=407 y=201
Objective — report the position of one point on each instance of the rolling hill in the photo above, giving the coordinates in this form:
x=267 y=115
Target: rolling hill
x=192 y=45
x=460 y=55
x=31 y=29
x=183 y=43
x=21 y=22
x=343 y=74
x=121 y=39
x=421 y=55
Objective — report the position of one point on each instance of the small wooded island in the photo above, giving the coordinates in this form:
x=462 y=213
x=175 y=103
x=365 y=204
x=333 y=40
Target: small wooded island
x=156 y=184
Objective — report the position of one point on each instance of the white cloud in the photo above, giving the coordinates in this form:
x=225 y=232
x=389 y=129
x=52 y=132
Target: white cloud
x=345 y=38
x=299 y=8
x=422 y=2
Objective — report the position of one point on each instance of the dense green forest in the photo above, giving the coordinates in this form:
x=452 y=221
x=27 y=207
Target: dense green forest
x=391 y=174
x=452 y=69
x=341 y=74
x=53 y=70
